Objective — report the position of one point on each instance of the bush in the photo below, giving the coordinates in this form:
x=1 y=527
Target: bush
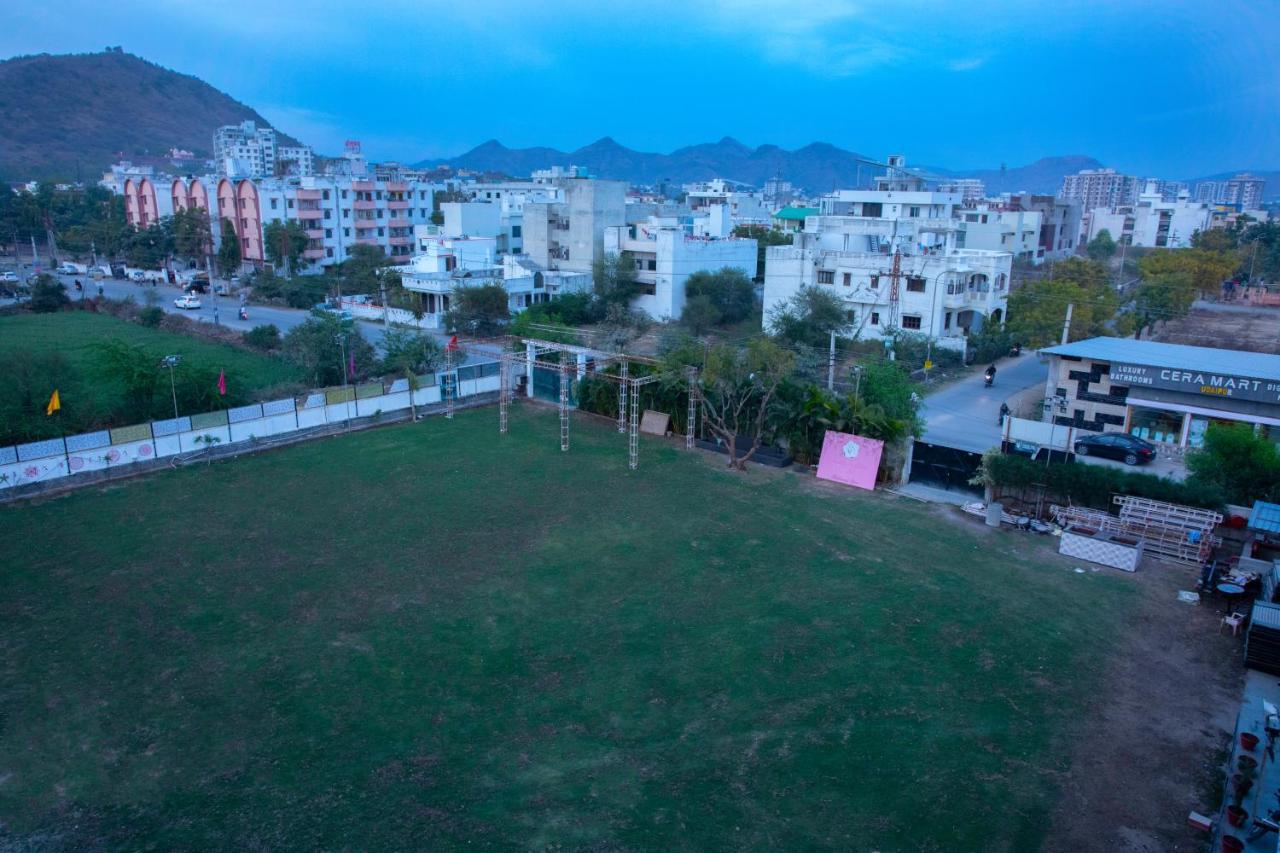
x=48 y=295
x=151 y=316
x=1090 y=485
x=263 y=337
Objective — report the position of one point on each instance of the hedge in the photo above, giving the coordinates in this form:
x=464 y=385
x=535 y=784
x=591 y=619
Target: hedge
x=1091 y=485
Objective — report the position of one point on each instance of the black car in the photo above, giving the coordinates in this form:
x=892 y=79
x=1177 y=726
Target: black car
x=1129 y=449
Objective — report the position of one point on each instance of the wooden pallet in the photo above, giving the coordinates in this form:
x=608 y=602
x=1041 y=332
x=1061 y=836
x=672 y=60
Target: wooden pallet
x=1164 y=541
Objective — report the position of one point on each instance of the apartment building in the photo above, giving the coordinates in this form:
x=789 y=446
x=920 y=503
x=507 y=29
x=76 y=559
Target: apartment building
x=943 y=290
x=568 y=235
x=247 y=151
x=1095 y=188
x=666 y=252
x=971 y=190
x=744 y=207
x=1244 y=190
x=1152 y=222
x=990 y=227
x=1060 y=222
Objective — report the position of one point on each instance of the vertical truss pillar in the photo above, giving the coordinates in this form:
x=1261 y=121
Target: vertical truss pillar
x=690 y=423
x=634 y=439
x=564 y=401
x=450 y=386
x=504 y=392
x=622 y=398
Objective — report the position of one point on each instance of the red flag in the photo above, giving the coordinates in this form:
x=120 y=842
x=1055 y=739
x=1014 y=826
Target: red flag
x=453 y=344
x=222 y=382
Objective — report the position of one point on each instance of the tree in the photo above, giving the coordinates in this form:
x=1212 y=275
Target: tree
x=1206 y=269
x=148 y=247
x=1038 y=309
x=406 y=351
x=1215 y=240
x=229 y=250
x=700 y=314
x=482 y=310
x=1260 y=250
x=1101 y=247
x=729 y=291
x=137 y=372
x=808 y=317
x=263 y=337
x=736 y=388
x=1163 y=297
x=1246 y=467
x=285 y=241
x=190 y=235
x=325 y=346
x=764 y=237
x=366 y=270
x=887 y=386
x=613 y=276
x=48 y=294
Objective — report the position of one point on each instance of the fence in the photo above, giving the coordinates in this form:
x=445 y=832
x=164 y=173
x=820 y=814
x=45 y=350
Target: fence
x=53 y=458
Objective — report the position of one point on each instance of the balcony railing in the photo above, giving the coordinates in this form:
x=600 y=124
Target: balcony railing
x=399 y=222
x=364 y=205
x=310 y=214
x=398 y=205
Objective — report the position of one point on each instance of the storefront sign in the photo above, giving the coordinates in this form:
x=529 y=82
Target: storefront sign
x=1197 y=382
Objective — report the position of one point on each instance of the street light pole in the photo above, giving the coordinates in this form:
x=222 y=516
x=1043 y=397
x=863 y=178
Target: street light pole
x=171 y=361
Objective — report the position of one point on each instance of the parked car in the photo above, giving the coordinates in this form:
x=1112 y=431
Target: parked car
x=118 y=271
x=197 y=286
x=1129 y=449
x=9 y=276
x=189 y=300
x=137 y=275
x=340 y=313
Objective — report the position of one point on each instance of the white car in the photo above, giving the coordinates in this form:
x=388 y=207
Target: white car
x=137 y=275
x=9 y=276
x=188 y=301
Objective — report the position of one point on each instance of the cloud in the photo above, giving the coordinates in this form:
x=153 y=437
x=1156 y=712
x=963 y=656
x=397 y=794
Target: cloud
x=971 y=63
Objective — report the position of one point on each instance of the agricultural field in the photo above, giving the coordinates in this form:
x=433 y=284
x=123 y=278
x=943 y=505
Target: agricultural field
x=431 y=635
x=41 y=351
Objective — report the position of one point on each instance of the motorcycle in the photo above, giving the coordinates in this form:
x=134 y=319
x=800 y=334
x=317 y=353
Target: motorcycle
x=244 y=313
x=989 y=377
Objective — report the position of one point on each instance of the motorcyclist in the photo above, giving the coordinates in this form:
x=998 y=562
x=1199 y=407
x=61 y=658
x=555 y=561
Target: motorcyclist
x=79 y=286
x=990 y=374
x=244 y=313
x=1004 y=413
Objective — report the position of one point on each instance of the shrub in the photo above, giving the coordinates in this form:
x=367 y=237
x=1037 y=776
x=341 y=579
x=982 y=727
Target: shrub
x=1090 y=485
x=151 y=316
x=48 y=295
x=263 y=337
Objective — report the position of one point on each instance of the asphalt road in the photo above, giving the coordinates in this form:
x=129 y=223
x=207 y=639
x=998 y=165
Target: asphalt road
x=964 y=414
x=225 y=311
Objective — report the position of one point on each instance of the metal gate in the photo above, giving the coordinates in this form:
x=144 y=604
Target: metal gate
x=945 y=467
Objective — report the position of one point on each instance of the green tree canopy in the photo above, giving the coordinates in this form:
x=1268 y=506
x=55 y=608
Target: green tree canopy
x=1206 y=269
x=808 y=317
x=325 y=345
x=1101 y=247
x=48 y=294
x=285 y=241
x=729 y=291
x=700 y=314
x=482 y=310
x=1246 y=467
x=228 y=250
x=613 y=276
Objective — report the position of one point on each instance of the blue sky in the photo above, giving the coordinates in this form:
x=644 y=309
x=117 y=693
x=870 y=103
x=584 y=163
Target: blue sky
x=1177 y=89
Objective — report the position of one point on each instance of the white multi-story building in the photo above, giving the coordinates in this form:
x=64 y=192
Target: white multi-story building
x=1244 y=190
x=1152 y=222
x=247 y=151
x=1059 y=223
x=1094 y=188
x=944 y=290
x=989 y=227
x=971 y=190
x=666 y=253
x=568 y=234
x=744 y=208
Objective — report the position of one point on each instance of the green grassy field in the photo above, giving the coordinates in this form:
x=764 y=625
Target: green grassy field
x=92 y=401
x=431 y=635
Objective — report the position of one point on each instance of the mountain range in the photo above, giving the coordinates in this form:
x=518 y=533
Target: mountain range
x=70 y=116
x=817 y=167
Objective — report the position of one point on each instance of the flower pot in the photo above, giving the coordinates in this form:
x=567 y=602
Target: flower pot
x=1231 y=844
x=1249 y=740
x=1236 y=815
x=1247 y=762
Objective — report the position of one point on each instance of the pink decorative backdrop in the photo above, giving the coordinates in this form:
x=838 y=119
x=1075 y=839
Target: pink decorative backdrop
x=850 y=459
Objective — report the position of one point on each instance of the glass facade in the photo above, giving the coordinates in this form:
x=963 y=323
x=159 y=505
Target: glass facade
x=1156 y=425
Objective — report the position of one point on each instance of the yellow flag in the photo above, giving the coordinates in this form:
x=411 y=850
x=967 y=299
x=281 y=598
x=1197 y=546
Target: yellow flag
x=54 y=404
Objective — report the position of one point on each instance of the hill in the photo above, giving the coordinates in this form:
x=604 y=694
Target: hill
x=818 y=167
x=66 y=115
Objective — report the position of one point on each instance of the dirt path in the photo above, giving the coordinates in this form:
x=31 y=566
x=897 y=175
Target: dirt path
x=1149 y=752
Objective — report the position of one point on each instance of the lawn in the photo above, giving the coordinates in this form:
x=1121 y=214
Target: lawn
x=91 y=400
x=431 y=635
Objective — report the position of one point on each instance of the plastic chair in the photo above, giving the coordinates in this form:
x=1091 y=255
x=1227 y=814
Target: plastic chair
x=1232 y=621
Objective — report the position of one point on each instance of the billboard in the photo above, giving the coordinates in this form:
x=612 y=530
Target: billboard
x=850 y=459
x=1193 y=381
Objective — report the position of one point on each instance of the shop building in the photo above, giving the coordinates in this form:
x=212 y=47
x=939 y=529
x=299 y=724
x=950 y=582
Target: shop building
x=1165 y=393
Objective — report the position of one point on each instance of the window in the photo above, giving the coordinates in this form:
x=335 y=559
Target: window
x=909 y=322
x=651 y=265
x=875 y=318
x=971 y=217
x=847 y=279
x=946 y=320
x=378 y=195
x=380 y=231
x=875 y=282
x=325 y=195
x=915 y=212
x=346 y=213
x=346 y=232
x=273 y=204
x=381 y=213
x=422 y=212
x=872 y=208
x=344 y=193
x=915 y=285
x=515 y=230
x=826 y=276
x=328 y=251
x=328 y=233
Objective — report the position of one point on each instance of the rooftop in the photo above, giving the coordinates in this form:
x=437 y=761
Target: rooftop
x=796 y=214
x=1229 y=362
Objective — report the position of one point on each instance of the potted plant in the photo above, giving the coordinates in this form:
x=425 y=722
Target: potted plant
x=1248 y=740
x=1236 y=815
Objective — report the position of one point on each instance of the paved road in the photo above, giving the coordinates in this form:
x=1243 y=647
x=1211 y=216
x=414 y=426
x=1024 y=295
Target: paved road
x=964 y=413
x=227 y=308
